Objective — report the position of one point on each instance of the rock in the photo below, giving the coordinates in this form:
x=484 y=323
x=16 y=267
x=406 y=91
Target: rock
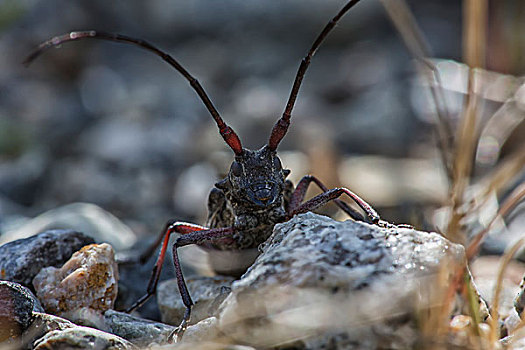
x=203 y=290
x=514 y=342
x=84 y=217
x=83 y=288
x=460 y=334
x=22 y=259
x=16 y=309
x=206 y=345
x=511 y=322
x=486 y=276
x=320 y=283
x=42 y=324
x=37 y=306
x=512 y=319
x=81 y=338
x=204 y=330
x=519 y=302
x=137 y=330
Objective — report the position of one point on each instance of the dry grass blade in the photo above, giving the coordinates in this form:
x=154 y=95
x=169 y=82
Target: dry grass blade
x=498 y=129
x=514 y=198
x=494 y=313
x=473 y=304
x=475 y=22
x=504 y=173
x=405 y=23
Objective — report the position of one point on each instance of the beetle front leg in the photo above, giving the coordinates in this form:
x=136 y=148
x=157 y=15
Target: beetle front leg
x=171 y=226
x=300 y=192
x=146 y=254
x=334 y=194
x=191 y=238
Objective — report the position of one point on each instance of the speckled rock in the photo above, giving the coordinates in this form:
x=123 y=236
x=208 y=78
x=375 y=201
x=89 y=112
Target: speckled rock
x=83 y=288
x=16 y=308
x=22 y=259
x=206 y=293
x=323 y=284
x=137 y=330
x=42 y=324
x=81 y=338
x=204 y=330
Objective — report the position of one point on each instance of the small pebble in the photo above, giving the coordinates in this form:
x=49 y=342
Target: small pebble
x=16 y=309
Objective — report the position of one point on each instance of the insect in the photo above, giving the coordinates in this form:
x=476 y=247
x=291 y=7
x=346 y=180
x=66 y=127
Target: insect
x=254 y=196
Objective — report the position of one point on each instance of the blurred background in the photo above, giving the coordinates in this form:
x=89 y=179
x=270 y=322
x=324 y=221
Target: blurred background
x=114 y=126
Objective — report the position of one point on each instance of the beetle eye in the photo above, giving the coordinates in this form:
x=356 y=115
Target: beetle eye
x=236 y=169
x=277 y=163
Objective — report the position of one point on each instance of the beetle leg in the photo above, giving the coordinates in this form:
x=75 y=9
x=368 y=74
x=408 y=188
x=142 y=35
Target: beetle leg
x=170 y=227
x=300 y=192
x=191 y=238
x=330 y=195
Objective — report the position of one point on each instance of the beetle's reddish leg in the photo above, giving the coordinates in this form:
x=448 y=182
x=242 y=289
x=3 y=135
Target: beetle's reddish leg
x=191 y=238
x=145 y=255
x=171 y=226
x=300 y=192
x=333 y=194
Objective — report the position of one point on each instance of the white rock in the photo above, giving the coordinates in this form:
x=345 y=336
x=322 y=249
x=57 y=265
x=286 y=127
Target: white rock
x=320 y=283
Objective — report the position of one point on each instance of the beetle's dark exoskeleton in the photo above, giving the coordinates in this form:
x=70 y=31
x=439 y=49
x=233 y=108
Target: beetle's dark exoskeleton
x=254 y=196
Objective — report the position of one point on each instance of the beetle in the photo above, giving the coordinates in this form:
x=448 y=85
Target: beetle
x=254 y=196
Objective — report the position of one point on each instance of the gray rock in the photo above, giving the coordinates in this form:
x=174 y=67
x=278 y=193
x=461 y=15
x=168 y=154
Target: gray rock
x=514 y=316
x=511 y=322
x=320 y=284
x=137 y=330
x=204 y=330
x=16 y=309
x=519 y=302
x=514 y=342
x=83 y=217
x=22 y=259
x=206 y=293
x=37 y=306
x=81 y=338
x=43 y=323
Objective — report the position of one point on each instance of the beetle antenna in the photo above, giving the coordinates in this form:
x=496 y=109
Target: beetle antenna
x=281 y=127
x=226 y=132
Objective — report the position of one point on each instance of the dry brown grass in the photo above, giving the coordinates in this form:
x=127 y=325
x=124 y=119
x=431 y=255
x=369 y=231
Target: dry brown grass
x=458 y=158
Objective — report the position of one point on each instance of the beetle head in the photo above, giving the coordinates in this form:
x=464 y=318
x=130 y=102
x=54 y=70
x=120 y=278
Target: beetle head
x=256 y=178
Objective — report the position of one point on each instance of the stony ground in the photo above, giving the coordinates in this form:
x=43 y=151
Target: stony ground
x=318 y=283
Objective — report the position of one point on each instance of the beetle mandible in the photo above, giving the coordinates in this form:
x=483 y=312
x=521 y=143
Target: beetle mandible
x=254 y=196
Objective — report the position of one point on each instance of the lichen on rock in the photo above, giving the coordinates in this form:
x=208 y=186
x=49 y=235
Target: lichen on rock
x=83 y=288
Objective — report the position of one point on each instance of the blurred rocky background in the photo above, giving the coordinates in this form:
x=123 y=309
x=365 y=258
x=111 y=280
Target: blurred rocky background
x=108 y=140
x=114 y=126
